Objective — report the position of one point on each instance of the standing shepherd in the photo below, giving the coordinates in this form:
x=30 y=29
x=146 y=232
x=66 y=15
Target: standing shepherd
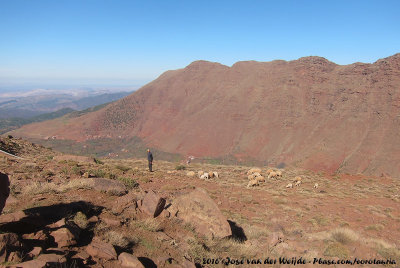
x=4 y=190
x=150 y=159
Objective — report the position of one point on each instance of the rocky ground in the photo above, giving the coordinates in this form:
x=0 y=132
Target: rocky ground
x=73 y=211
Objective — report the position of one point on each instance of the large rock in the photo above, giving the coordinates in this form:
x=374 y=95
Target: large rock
x=4 y=190
x=124 y=202
x=152 y=204
x=128 y=260
x=64 y=237
x=199 y=210
x=9 y=242
x=101 y=250
x=44 y=260
x=106 y=185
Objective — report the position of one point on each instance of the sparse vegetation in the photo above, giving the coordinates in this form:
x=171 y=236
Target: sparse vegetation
x=180 y=167
x=117 y=239
x=80 y=219
x=336 y=250
x=130 y=183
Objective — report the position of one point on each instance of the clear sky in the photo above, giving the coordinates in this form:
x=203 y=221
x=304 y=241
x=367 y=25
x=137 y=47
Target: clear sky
x=123 y=42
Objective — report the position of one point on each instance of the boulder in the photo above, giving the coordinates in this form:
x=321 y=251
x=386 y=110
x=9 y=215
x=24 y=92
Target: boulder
x=4 y=190
x=14 y=257
x=9 y=242
x=152 y=204
x=106 y=185
x=64 y=237
x=31 y=264
x=44 y=260
x=128 y=260
x=36 y=251
x=101 y=250
x=111 y=222
x=124 y=202
x=199 y=210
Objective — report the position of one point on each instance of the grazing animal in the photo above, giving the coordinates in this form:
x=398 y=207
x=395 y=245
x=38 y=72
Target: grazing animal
x=205 y=176
x=260 y=179
x=251 y=177
x=216 y=175
x=270 y=170
x=211 y=174
x=290 y=185
x=316 y=185
x=252 y=183
x=297 y=178
x=272 y=175
x=253 y=170
x=200 y=173
x=297 y=183
x=278 y=173
x=256 y=174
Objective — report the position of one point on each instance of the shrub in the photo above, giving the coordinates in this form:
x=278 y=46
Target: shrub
x=336 y=250
x=344 y=235
x=80 y=219
x=98 y=161
x=129 y=182
x=117 y=239
x=180 y=167
x=122 y=168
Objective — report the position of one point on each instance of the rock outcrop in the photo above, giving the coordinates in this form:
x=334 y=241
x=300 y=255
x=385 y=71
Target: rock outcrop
x=199 y=210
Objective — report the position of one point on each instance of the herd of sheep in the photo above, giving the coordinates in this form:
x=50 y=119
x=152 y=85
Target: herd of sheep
x=254 y=176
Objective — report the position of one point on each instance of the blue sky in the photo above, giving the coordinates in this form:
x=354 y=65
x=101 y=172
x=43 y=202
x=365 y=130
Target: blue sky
x=128 y=42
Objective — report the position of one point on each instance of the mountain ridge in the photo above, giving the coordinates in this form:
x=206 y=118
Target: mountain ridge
x=308 y=112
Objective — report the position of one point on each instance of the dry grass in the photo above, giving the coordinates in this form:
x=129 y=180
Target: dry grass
x=149 y=224
x=336 y=250
x=80 y=219
x=375 y=227
x=51 y=187
x=344 y=235
x=117 y=239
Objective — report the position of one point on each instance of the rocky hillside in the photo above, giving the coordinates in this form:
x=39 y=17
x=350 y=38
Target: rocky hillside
x=309 y=112
x=73 y=211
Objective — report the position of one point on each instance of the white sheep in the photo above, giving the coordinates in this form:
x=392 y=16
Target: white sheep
x=253 y=170
x=290 y=185
x=205 y=176
x=252 y=183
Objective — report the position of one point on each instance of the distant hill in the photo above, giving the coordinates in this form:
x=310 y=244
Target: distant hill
x=8 y=124
x=26 y=107
x=308 y=112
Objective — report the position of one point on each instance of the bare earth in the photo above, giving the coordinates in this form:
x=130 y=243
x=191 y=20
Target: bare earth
x=346 y=217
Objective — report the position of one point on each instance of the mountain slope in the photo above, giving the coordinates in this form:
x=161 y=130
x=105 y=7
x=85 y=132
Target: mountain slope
x=309 y=112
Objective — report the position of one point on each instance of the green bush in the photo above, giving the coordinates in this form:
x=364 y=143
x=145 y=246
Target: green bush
x=130 y=183
x=98 y=161
x=180 y=167
x=122 y=168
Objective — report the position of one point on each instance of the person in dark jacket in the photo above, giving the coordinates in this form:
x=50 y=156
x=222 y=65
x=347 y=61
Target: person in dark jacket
x=4 y=190
x=150 y=159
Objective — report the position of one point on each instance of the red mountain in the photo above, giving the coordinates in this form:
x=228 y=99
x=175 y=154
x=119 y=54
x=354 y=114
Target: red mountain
x=309 y=112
